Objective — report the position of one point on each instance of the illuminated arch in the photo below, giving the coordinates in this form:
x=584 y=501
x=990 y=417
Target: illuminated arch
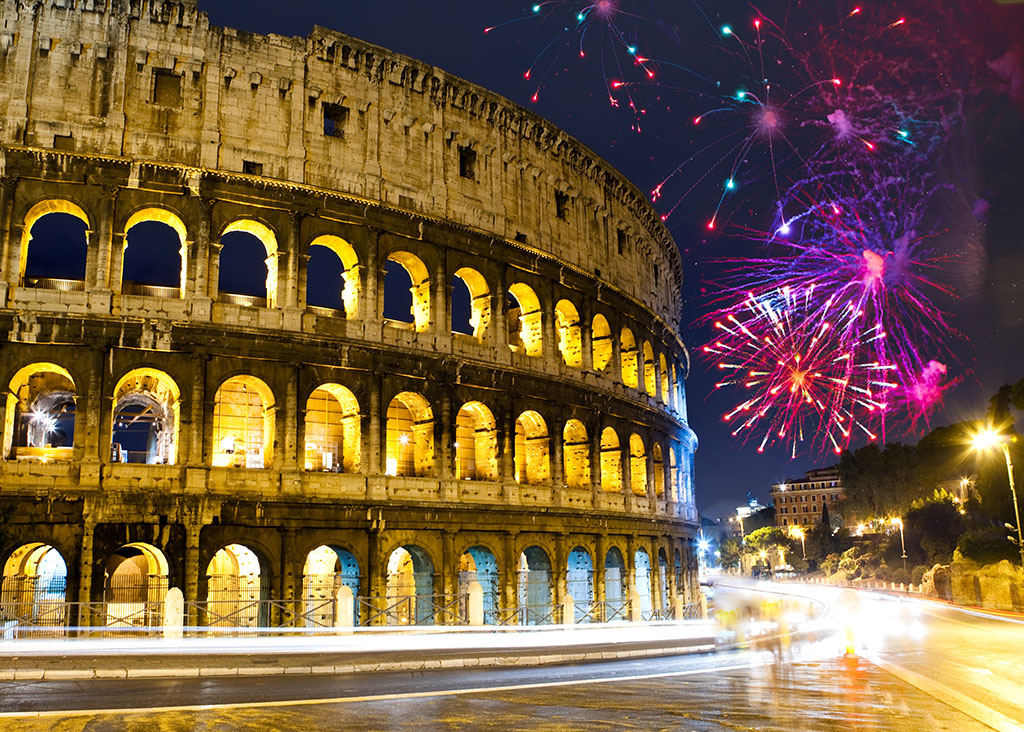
x=136 y=584
x=479 y=300
x=663 y=367
x=650 y=376
x=327 y=569
x=243 y=423
x=38 y=211
x=34 y=585
x=478 y=564
x=40 y=406
x=642 y=581
x=567 y=328
x=532 y=462
x=420 y=288
x=628 y=357
x=535 y=588
x=235 y=586
x=146 y=418
x=350 y=280
x=265 y=235
x=601 y=342
x=525 y=326
x=659 y=469
x=673 y=474
x=170 y=219
x=476 y=443
x=616 y=595
x=410 y=436
x=611 y=461
x=410 y=583
x=637 y=465
x=579 y=584
x=576 y=454
x=333 y=438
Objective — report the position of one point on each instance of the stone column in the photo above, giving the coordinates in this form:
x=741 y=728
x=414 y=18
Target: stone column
x=561 y=568
x=286 y=580
x=89 y=431
x=444 y=434
x=291 y=415
x=196 y=424
x=510 y=562
x=600 y=550
x=652 y=550
x=449 y=573
x=376 y=579
x=193 y=527
x=295 y=287
x=85 y=562
x=375 y=464
x=510 y=489
x=10 y=234
x=442 y=315
x=106 y=250
x=369 y=310
x=631 y=563
x=557 y=462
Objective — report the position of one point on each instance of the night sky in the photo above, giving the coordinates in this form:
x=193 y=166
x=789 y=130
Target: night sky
x=989 y=309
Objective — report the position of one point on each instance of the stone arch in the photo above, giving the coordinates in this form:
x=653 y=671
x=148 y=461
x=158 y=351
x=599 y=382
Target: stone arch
x=659 y=469
x=674 y=387
x=476 y=443
x=332 y=430
x=135 y=585
x=39 y=419
x=663 y=368
x=243 y=423
x=410 y=586
x=31 y=272
x=34 y=586
x=673 y=473
x=579 y=584
x=642 y=581
x=663 y=579
x=326 y=570
x=567 y=328
x=146 y=418
x=637 y=465
x=611 y=461
x=237 y=588
x=418 y=312
x=535 y=591
x=680 y=574
x=650 y=374
x=409 y=436
x=325 y=252
x=576 y=454
x=479 y=564
x=600 y=342
x=616 y=595
x=525 y=320
x=532 y=461
x=266 y=237
x=477 y=317
x=628 y=358
x=134 y=253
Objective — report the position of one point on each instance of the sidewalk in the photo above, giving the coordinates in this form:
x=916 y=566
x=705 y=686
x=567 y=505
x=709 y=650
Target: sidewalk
x=361 y=650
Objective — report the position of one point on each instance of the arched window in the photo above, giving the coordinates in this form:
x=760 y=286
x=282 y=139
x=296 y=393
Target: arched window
x=535 y=589
x=237 y=589
x=34 y=585
x=627 y=351
x=39 y=421
x=144 y=428
x=243 y=424
x=410 y=436
x=611 y=461
x=327 y=569
x=567 y=327
x=531 y=455
x=471 y=303
x=524 y=318
x=637 y=465
x=332 y=430
x=155 y=254
x=410 y=587
x=659 y=470
x=54 y=246
x=332 y=275
x=136 y=584
x=663 y=366
x=576 y=454
x=650 y=377
x=476 y=443
x=601 y=342
x=406 y=291
x=248 y=264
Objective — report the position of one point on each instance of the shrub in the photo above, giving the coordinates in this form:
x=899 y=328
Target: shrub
x=900 y=576
x=987 y=546
x=917 y=574
x=829 y=564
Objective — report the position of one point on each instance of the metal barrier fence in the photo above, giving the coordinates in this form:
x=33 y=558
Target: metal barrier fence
x=80 y=619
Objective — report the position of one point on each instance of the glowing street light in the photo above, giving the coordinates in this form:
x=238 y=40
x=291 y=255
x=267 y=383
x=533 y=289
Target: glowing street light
x=899 y=522
x=798 y=532
x=981 y=442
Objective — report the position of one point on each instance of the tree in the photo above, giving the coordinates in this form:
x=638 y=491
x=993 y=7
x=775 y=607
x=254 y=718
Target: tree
x=879 y=482
x=760 y=519
x=770 y=540
x=729 y=552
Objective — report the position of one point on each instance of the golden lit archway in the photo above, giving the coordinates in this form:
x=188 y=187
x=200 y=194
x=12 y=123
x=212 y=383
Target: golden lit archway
x=476 y=443
x=333 y=440
x=39 y=419
x=525 y=327
x=659 y=470
x=420 y=288
x=235 y=588
x=663 y=366
x=350 y=284
x=410 y=436
x=38 y=211
x=479 y=300
x=611 y=461
x=650 y=377
x=268 y=239
x=170 y=219
x=532 y=462
x=637 y=465
x=567 y=328
x=34 y=585
x=146 y=418
x=243 y=423
x=601 y=342
x=576 y=454
x=628 y=356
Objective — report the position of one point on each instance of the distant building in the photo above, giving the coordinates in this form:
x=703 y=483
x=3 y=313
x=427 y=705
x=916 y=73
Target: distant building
x=800 y=501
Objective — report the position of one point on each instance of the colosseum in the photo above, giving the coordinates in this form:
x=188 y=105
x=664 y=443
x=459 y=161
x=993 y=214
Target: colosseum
x=283 y=315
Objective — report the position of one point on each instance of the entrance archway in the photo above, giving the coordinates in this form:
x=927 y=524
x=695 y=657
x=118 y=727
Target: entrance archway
x=478 y=564
x=135 y=585
x=666 y=604
x=535 y=596
x=236 y=589
x=34 y=586
x=642 y=582
x=579 y=583
x=410 y=587
x=327 y=569
x=615 y=595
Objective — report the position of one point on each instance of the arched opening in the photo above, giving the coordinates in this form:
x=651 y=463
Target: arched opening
x=600 y=342
x=332 y=275
x=327 y=569
x=236 y=589
x=628 y=356
x=34 y=586
x=532 y=464
x=680 y=574
x=576 y=454
x=332 y=430
x=155 y=254
x=525 y=320
x=637 y=465
x=673 y=462
x=54 y=246
x=535 y=590
x=579 y=584
x=471 y=303
x=674 y=390
x=406 y=291
x=611 y=461
x=643 y=582
x=144 y=428
x=615 y=593
x=478 y=564
x=243 y=424
x=650 y=377
x=663 y=583
x=567 y=327
x=476 y=443
x=135 y=585
x=410 y=587
x=248 y=264
x=39 y=420
x=663 y=367
x=659 y=470
x=410 y=436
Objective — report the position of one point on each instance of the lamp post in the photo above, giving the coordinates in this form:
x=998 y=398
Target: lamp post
x=899 y=522
x=990 y=438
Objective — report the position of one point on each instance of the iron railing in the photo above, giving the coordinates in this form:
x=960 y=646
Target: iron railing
x=413 y=610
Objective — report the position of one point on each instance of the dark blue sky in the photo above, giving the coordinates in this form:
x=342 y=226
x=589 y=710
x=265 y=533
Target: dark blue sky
x=450 y=35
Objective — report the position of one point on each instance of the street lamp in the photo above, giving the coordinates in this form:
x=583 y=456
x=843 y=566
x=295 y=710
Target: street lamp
x=798 y=532
x=899 y=522
x=981 y=442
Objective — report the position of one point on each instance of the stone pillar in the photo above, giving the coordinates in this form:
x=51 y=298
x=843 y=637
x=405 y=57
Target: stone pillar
x=449 y=572
x=192 y=569
x=375 y=459
x=510 y=488
x=90 y=423
x=10 y=235
x=287 y=581
x=291 y=415
x=85 y=562
x=510 y=569
x=196 y=424
x=557 y=461
x=442 y=316
x=631 y=562
x=600 y=551
x=444 y=434
x=376 y=579
x=212 y=275
x=587 y=341
x=369 y=309
x=595 y=463
x=655 y=576
x=561 y=568
x=294 y=280
x=207 y=268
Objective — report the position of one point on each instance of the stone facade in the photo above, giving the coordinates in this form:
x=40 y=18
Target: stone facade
x=121 y=112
